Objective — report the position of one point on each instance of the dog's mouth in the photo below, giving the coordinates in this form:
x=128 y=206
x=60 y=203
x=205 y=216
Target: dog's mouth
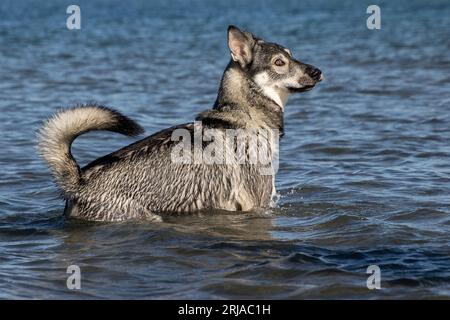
x=302 y=89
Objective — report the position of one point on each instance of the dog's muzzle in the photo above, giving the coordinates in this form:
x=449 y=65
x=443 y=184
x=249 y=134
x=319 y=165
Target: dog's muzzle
x=311 y=76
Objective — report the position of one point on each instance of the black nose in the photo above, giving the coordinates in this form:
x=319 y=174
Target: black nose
x=314 y=73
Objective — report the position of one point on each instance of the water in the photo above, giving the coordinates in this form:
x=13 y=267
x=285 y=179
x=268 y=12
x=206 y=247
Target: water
x=365 y=164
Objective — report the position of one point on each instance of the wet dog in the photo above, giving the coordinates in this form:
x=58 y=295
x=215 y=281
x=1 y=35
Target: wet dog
x=148 y=178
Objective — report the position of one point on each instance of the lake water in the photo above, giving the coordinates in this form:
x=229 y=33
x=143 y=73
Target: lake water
x=364 y=173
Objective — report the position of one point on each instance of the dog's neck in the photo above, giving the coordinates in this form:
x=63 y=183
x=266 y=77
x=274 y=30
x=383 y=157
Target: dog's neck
x=241 y=103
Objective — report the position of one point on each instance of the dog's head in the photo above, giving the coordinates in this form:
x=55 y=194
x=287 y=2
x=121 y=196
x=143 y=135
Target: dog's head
x=270 y=66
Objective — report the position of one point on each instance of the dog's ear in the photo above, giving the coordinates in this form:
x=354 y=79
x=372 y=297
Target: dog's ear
x=241 y=45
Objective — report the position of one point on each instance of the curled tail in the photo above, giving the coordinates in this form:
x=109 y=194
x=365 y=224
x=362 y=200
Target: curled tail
x=58 y=133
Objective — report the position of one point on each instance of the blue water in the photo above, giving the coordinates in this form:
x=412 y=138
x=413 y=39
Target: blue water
x=364 y=168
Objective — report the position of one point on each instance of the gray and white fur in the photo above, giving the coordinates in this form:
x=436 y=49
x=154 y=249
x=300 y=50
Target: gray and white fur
x=140 y=181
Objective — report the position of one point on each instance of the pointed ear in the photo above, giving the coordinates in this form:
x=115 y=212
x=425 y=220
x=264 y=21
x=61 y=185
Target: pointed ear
x=241 y=45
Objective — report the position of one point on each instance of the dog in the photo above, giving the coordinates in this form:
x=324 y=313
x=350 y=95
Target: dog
x=142 y=180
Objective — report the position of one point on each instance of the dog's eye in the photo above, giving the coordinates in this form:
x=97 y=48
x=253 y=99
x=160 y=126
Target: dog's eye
x=279 y=63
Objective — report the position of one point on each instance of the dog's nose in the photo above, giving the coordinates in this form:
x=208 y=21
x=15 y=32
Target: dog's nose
x=314 y=73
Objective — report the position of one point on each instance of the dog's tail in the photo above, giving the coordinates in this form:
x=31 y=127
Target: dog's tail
x=58 y=133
